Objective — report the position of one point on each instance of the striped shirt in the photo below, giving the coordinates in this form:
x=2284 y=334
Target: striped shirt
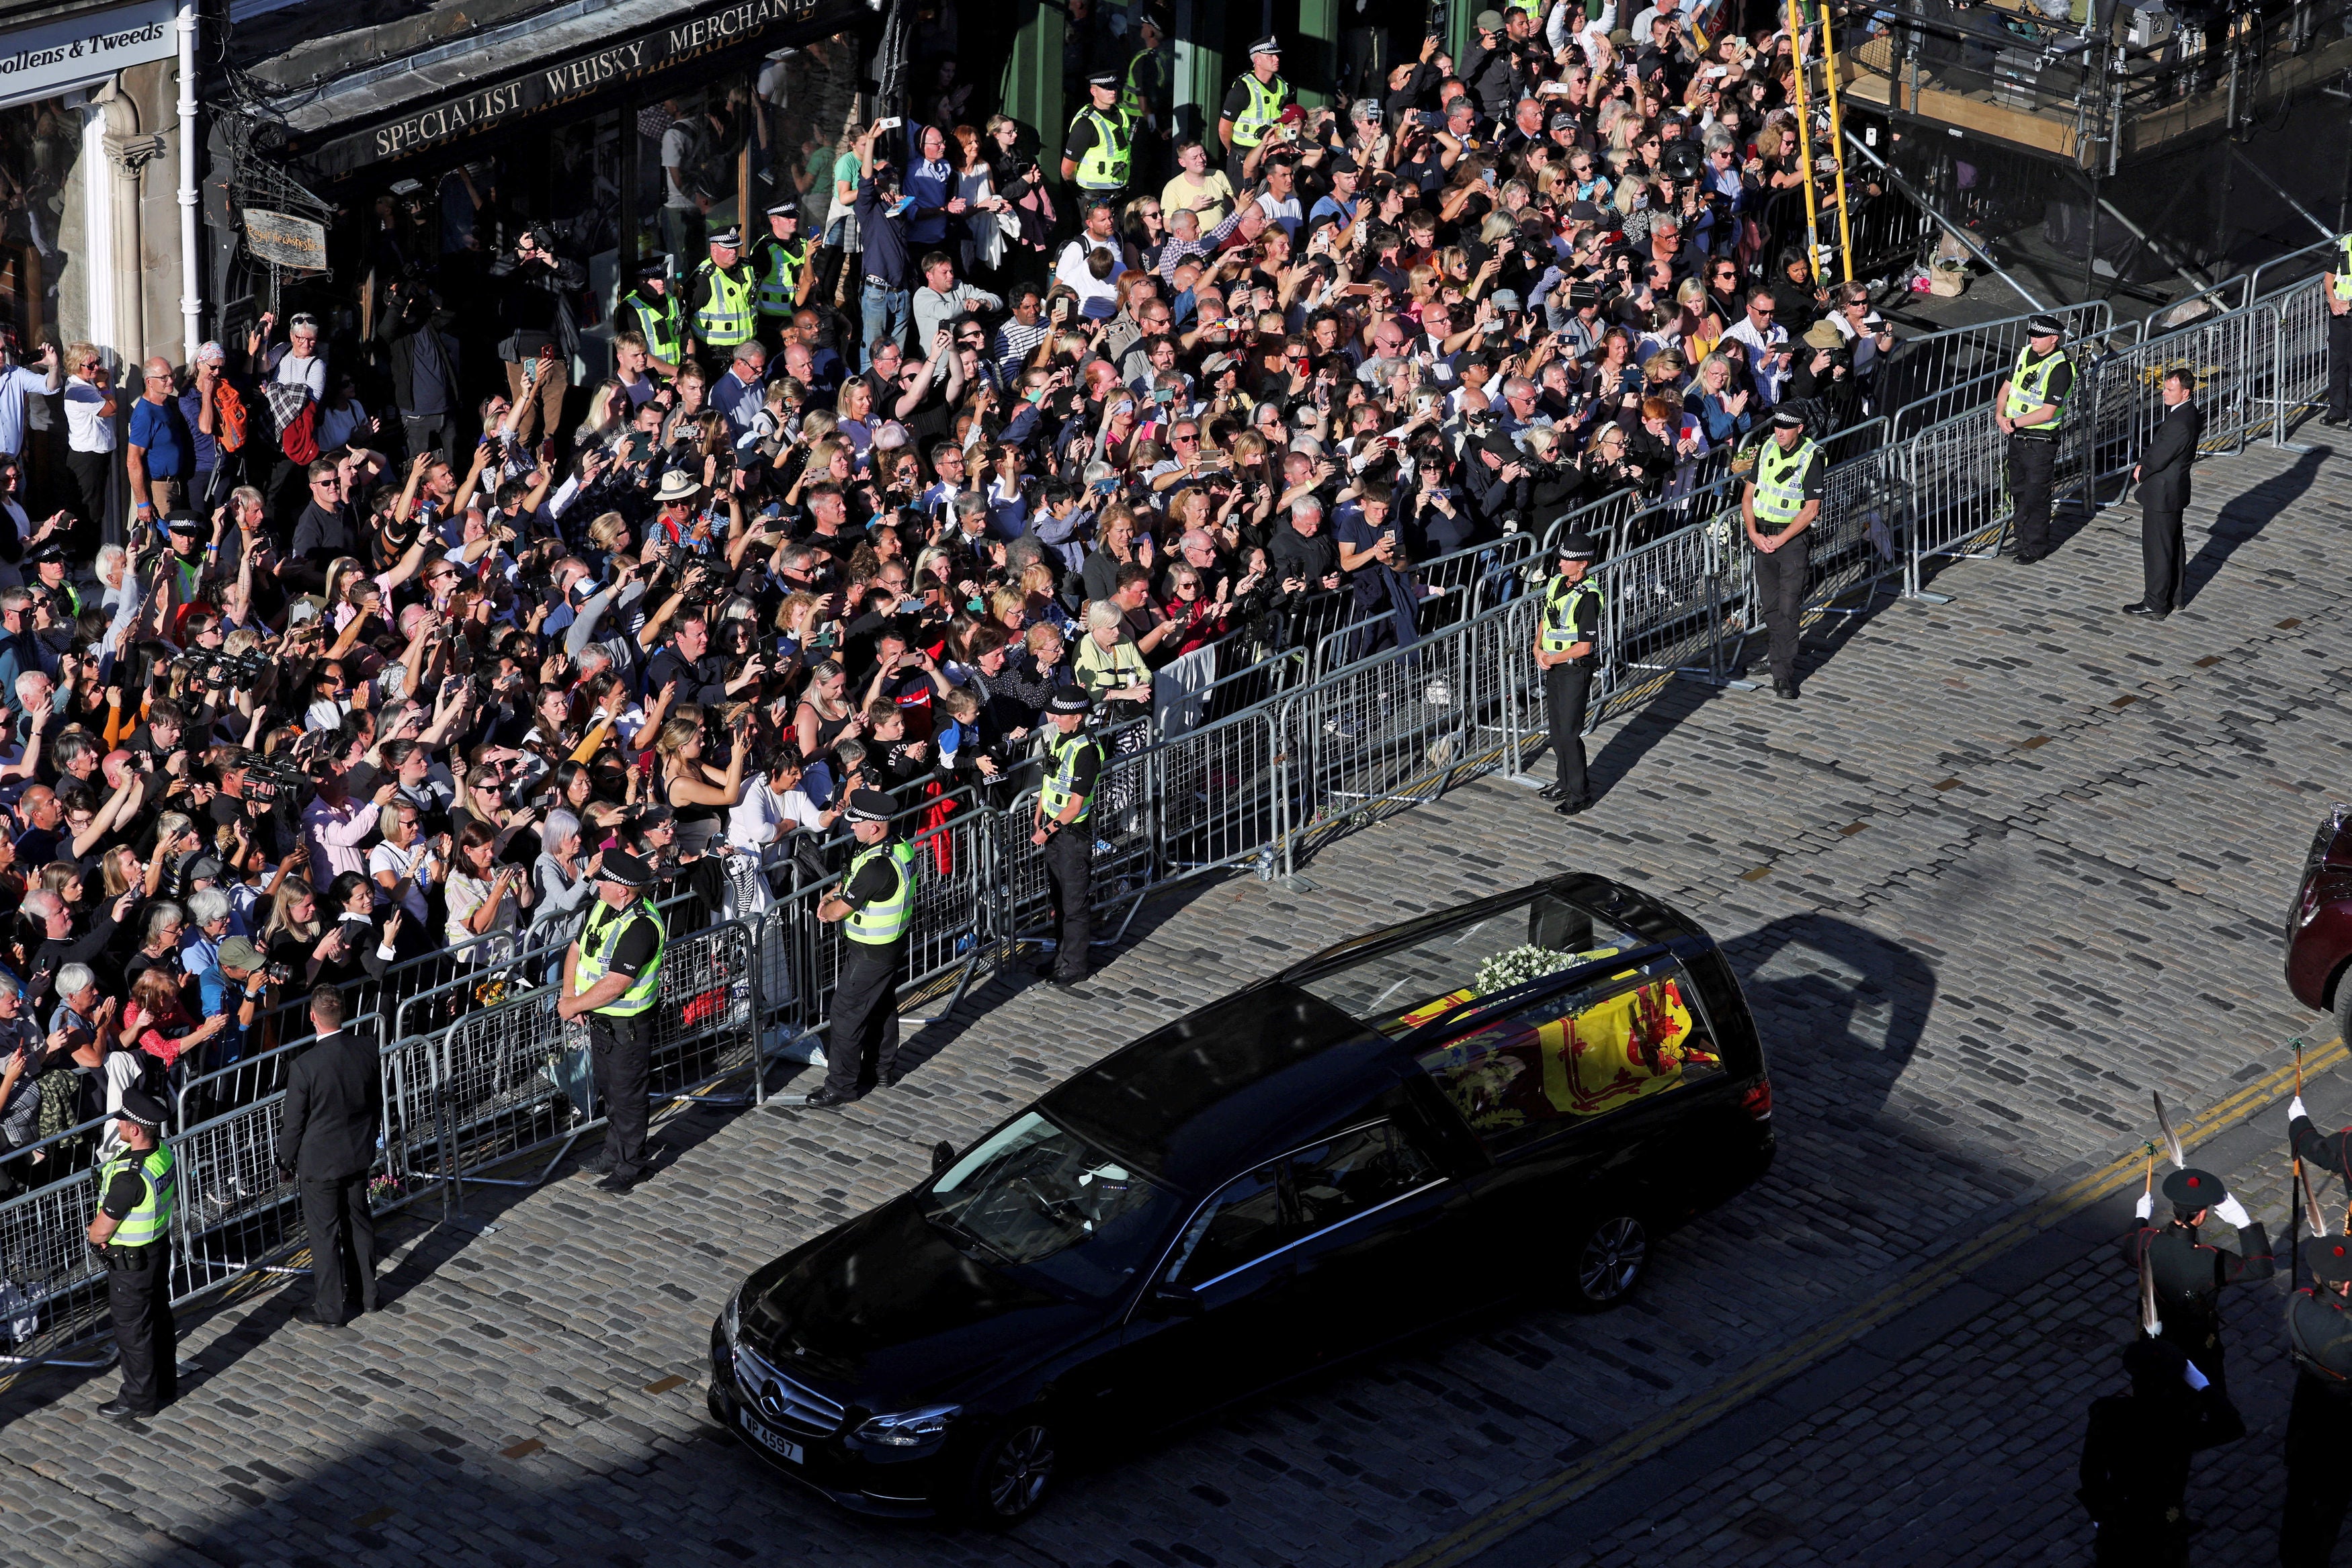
x=1015 y=344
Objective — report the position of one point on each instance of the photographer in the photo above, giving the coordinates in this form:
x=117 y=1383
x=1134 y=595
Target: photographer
x=542 y=334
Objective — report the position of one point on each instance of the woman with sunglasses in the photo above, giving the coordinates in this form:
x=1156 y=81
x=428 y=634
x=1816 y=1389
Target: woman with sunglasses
x=1143 y=233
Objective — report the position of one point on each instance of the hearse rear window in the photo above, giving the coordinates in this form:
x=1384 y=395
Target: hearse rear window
x=1569 y=1059
x=1399 y=991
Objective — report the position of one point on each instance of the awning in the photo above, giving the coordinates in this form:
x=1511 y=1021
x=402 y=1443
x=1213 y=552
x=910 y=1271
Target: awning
x=449 y=94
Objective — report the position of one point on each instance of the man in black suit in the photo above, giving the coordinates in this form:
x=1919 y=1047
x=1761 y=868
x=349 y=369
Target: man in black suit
x=333 y=1108
x=2162 y=475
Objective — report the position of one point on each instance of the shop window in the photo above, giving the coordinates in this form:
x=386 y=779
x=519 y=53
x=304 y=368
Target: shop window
x=40 y=223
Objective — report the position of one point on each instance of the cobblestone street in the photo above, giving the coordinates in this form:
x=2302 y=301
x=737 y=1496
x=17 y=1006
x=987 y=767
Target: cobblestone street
x=2012 y=863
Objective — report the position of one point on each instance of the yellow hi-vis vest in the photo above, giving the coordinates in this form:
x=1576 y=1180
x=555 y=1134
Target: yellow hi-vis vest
x=1780 y=481
x=1267 y=101
x=2028 y=388
x=152 y=1220
x=885 y=920
x=1105 y=167
x=596 y=941
x=725 y=318
x=1557 y=634
x=780 y=274
x=661 y=322
x=1062 y=784
x=2343 y=284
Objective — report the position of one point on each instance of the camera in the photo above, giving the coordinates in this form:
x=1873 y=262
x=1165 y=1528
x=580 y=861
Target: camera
x=279 y=973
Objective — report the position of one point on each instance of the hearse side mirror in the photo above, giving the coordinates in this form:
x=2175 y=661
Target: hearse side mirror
x=942 y=1156
x=1167 y=1300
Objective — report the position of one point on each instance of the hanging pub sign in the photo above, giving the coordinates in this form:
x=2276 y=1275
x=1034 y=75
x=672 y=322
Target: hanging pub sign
x=284 y=240
x=500 y=98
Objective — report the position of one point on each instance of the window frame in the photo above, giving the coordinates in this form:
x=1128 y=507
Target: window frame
x=1651 y=966
x=1440 y=1176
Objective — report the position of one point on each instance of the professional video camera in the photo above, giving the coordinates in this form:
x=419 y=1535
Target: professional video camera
x=283 y=784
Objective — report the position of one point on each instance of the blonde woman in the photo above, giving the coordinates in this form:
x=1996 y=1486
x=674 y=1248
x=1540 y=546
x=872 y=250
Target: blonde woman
x=700 y=795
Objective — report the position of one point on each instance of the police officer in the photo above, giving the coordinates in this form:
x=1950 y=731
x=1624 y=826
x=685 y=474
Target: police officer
x=1778 y=504
x=1149 y=97
x=2335 y=289
x=2319 y=1422
x=651 y=311
x=1099 y=150
x=876 y=906
x=718 y=301
x=1568 y=636
x=780 y=262
x=132 y=1233
x=1253 y=105
x=1060 y=827
x=2028 y=408
x=2189 y=1273
x=612 y=974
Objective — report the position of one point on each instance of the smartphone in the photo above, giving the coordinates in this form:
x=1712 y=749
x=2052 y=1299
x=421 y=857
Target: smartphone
x=893 y=123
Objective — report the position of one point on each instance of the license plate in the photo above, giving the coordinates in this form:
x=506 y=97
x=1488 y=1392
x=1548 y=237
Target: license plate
x=770 y=1441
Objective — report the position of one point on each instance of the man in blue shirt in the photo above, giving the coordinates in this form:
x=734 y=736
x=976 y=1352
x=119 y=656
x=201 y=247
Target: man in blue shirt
x=19 y=383
x=930 y=187
x=206 y=472
x=158 y=454
x=1339 y=207
x=883 y=299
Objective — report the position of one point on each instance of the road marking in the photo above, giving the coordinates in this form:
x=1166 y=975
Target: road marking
x=1629 y=1449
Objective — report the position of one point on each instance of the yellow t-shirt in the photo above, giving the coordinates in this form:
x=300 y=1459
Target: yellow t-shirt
x=1214 y=190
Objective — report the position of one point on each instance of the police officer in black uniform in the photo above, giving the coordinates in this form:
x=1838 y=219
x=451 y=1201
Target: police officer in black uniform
x=2319 y=1422
x=2135 y=1469
x=875 y=906
x=1062 y=825
x=2189 y=1273
x=2030 y=405
x=132 y=1234
x=1567 y=642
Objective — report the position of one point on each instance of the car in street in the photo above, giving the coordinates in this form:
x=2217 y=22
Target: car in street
x=1523 y=1092
x=2319 y=925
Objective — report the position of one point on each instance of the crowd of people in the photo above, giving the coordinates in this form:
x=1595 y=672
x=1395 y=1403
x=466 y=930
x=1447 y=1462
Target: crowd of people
x=361 y=687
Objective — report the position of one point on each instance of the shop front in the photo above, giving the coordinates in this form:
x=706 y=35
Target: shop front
x=627 y=131
x=94 y=247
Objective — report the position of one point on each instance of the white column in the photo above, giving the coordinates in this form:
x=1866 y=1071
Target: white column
x=192 y=329
x=98 y=233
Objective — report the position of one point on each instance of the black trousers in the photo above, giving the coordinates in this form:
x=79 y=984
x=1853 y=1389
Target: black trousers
x=147 y=1339
x=2319 y=1473
x=865 y=1035
x=1780 y=580
x=2031 y=461
x=88 y=471
x=2339 y=366
x=1070 y=874
x=620 y=1051
x=1567 y=687
x=341 y=1229
x=2159 y=556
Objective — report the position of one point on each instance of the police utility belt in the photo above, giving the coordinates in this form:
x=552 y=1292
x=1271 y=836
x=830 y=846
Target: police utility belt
x=128 y=1259
x=2034 y=433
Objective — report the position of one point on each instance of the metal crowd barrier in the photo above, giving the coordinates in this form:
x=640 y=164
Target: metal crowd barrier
x=476 y=1080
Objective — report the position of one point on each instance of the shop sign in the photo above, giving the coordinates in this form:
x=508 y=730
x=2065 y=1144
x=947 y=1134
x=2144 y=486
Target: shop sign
x=284 y=240
x=44 y=60
x=512 y=95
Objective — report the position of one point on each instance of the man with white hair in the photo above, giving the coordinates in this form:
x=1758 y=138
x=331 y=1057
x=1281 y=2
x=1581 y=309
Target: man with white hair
x=1302 y=556
x=60 y=949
